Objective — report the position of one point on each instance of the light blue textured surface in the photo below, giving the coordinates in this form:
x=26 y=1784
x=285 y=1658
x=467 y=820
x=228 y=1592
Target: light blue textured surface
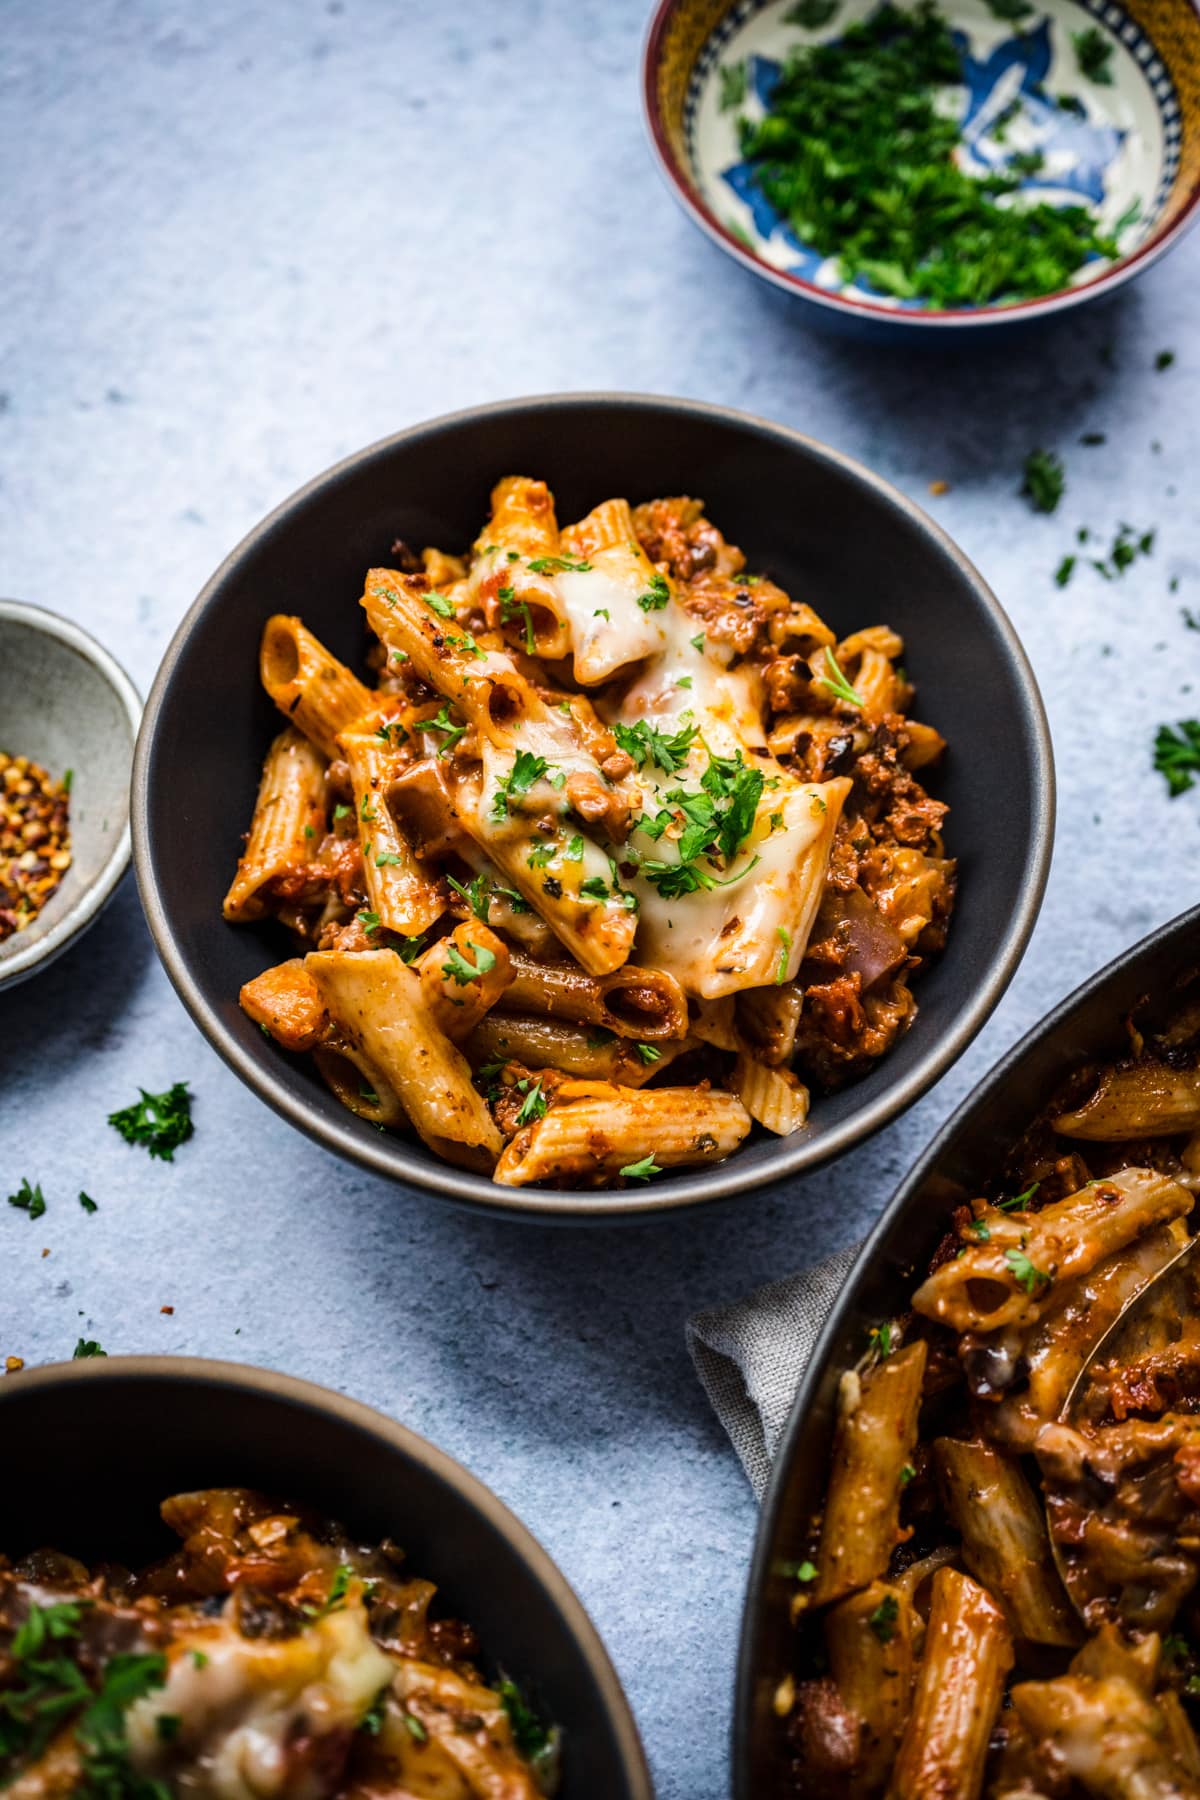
x=241 y=241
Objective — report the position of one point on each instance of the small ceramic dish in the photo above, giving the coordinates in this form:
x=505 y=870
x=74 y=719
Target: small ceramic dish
x=823 y=525
x=66 y=704
x=1128 y=146
x=1090 y=1026
x=146 y=1427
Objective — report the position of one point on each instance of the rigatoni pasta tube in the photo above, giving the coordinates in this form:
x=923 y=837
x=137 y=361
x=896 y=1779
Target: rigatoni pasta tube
x=632 y=1001
x=357 y=1082
x=380 y=1006
x=405 y=898
x=875 y=1434
x=593 y=1130
x=287 y=827
x=869 y=1641
x=1004 y=1540
x=968 y=1653
x=316 y=692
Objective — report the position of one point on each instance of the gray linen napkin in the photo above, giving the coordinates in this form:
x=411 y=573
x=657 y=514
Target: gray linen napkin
x=750 y=1356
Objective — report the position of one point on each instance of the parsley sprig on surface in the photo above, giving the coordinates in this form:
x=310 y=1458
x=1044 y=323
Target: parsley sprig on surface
x=1177 y=755
x=857 y=155
x=1044 y=480
x=30 y=1199
x=159 y=1122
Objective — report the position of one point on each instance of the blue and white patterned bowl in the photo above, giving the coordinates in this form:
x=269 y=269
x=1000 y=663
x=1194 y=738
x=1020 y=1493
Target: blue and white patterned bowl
x=1129 y=147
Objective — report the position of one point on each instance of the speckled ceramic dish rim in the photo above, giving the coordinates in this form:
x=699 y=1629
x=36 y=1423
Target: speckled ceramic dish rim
x=929 y=319
x=20 y=963
x=699 y=1186
x=412 y=1449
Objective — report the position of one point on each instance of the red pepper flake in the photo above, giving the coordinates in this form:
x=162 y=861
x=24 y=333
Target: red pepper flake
x=166 y=1309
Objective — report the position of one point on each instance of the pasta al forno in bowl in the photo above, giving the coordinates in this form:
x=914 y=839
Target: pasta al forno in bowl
x=1085 y=107
x=591 y=806
x=916 y=1621
x=423 y=1643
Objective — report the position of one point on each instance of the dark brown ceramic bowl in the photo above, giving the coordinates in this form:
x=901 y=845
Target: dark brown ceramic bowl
x=99 y=1444
x=829 y=530
x=1089 y=1025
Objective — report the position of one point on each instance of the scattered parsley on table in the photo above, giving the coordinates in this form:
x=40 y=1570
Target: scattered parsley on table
x=159 y=1122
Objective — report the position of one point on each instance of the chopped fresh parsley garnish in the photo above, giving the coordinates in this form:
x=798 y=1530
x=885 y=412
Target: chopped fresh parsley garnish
x=574 y=850
x=697 y=642
x=811 y=14
x=87 y=1203
x=388 y=730
x=803 y=1571
x=685 y=681
x=462 y=971
x=1043 y=480
x=732 y=77
x=883 y=1620
x=533 y=1106
x=512 y=608
x=1064 y=571
x=648 y=1053
x=880 y=1339
x=1017 y=1202
x=858 y=154
x=1092 y=438
x=836 y=682
x=335 y=1599
x=445 y=724
x=1163 y=360
x=1023 y=1271
x=643 y=1170
x=980 y=1230
x=369 y=1095
x=594 y=888
x=28 y=1199
x=907 y=1474
x=714 y=823
x=387 y=859
x=366 y=811
x=372 y=1720
x=542 y=855
x=1126 y=547
x=475 y=893
x=159 y=1122
x=602 y=612
x=369 y=920
x=86 y=1347
x=645 y=743
x=559 y=565
x=529 y=1734
x=785 y=939
x=656 y=595
x=466 y=642
x=1177 y=755
x=1093 y=53
x=342 y=811
x=68 y=780
x=440 y=605
x=526 y=772
x=409 y=948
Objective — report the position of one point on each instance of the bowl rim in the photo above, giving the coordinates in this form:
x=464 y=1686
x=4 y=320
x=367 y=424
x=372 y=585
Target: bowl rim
x=252 y=1378
x=980 y=1096
x=926 y=319
x=692 y=1187
x=19 y=964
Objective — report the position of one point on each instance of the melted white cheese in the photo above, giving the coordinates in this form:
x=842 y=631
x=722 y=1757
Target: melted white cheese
x=249 y=1697
x=605 y=629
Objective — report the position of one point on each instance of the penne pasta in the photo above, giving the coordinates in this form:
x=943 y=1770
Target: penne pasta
x=402 y=895
x=287 y=827
x=968 y=1653
x=869 y=1641
x=774 y=1098
x=876 y=1431
x=616 y=790
x=596 y=1130
x=315 y=692
x=381 y=1009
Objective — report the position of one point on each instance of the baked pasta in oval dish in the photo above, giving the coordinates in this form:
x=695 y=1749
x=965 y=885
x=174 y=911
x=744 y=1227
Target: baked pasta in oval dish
x=999 y=1595
x=623 y=853
x=268 y=1657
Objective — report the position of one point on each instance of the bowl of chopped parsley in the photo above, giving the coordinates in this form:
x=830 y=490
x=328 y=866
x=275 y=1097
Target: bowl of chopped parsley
x=909 y=164
x=68 y=719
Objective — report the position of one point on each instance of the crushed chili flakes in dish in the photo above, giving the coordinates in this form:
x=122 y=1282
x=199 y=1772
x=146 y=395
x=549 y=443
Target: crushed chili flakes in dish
x=35 y=840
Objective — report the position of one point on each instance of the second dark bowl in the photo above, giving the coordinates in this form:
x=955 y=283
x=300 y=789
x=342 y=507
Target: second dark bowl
x=1089 y=1025
x=101 y=1443
x=831 y=532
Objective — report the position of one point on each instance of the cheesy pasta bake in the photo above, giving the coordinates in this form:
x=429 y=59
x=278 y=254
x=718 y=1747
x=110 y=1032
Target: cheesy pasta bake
x=1000 y=1596
x=268 y=1658
x=623 y=852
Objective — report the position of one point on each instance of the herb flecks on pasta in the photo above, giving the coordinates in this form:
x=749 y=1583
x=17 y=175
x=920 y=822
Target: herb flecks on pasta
x=1000 y=1591
x=624 y=852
